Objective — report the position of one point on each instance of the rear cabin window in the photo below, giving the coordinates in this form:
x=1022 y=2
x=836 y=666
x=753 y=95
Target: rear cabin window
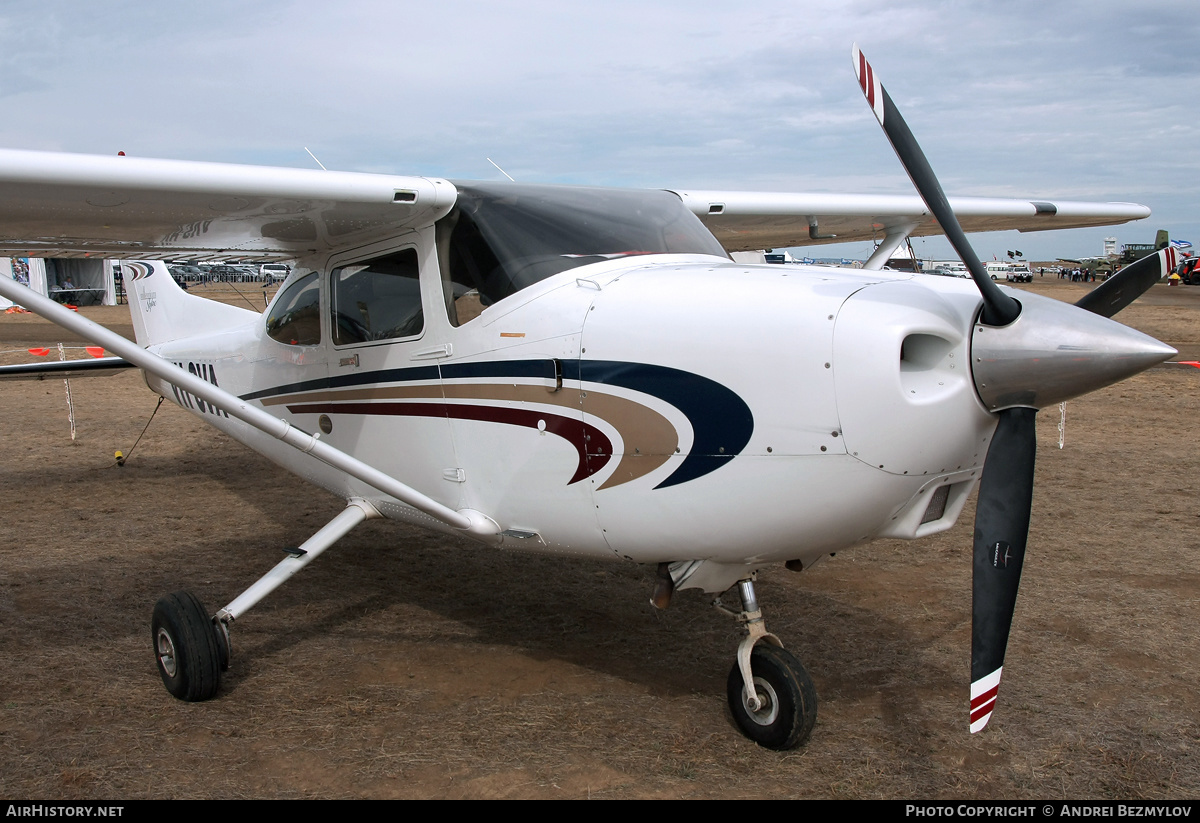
x=377 y=300
x=295 y=318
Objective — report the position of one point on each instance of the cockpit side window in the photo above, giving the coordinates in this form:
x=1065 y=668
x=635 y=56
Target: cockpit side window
x=295 y=319
x=377 y=300
x=465 y=260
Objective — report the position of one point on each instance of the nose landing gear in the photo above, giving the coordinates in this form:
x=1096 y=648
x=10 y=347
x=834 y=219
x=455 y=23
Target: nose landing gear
x=771 y=696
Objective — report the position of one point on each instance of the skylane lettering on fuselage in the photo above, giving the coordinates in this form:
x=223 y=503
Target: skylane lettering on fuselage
x=204 y=371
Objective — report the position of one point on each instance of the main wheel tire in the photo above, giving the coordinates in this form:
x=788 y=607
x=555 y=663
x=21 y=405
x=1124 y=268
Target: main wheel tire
x=186 y=649
x=789 y=699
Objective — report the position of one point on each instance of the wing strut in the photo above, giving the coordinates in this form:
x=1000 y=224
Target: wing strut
x=356 y=511
x=896 y=235
x=474 y=523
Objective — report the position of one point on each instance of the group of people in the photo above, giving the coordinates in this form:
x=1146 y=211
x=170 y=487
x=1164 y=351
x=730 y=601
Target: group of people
x=1077 y=275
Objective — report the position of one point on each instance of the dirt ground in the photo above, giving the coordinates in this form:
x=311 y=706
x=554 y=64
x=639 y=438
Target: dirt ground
x=403 y=664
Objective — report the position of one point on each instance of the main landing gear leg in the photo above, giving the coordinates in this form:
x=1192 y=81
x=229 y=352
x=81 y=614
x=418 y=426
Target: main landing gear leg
x=192 y=649
x=771 y=696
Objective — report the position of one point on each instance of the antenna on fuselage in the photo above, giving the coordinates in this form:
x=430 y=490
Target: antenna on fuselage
x=502 y=171
x=315 y=160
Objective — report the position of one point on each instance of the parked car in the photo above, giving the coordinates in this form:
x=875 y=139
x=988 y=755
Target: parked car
x=188 y=272
x=226 y=273
x=274 y=272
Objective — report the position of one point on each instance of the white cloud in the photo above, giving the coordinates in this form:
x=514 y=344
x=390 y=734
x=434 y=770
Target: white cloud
x=1075 y=99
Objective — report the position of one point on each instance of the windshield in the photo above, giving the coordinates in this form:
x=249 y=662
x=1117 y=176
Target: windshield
x=501 y=237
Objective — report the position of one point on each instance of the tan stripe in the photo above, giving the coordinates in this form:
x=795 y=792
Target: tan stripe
x=430 y=391
x=649 y=438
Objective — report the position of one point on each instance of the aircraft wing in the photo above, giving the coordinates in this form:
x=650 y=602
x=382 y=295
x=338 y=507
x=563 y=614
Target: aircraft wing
x=102 y=366
x=71 y=205
x=64 y=205
x=743 y=221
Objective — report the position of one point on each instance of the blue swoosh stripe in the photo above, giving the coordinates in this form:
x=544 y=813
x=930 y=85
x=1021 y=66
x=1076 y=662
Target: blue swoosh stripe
x=721 y=421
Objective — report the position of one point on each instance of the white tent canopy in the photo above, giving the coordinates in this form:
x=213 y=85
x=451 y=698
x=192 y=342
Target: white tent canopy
x=78 y=281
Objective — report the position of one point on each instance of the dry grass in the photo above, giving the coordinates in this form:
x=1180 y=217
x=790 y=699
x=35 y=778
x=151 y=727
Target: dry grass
x=403 y=664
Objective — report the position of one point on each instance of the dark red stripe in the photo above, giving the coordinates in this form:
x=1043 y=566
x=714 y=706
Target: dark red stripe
x=982 y=711
x=866 y=78
x=592 y=445
x=988 y=696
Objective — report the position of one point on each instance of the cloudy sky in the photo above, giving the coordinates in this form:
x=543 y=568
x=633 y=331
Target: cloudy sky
x=1091 y=100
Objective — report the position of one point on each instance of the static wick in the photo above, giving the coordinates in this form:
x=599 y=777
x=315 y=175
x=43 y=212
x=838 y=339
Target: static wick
x=1062 y=424
x=502 y=171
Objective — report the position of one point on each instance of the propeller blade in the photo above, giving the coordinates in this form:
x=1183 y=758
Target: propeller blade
x=1001 y=531
x=999 y=309
x=1021 y=360
x=1128 y=284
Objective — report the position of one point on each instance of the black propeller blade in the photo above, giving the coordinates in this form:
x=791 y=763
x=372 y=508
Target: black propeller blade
x=1006 y=487
x=1128 y=284
x=1001 y=530
x=1044 y=351
x=999 y=309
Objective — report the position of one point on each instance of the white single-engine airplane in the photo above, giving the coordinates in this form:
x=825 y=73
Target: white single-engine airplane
x=586 y=372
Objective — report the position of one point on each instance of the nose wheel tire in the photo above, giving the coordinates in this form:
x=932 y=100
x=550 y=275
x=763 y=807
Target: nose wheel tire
x=787 y=697
x=186 y=647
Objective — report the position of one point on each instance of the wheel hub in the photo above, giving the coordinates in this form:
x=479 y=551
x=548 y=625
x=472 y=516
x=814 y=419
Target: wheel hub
x=166 y=652
x=768 y=709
